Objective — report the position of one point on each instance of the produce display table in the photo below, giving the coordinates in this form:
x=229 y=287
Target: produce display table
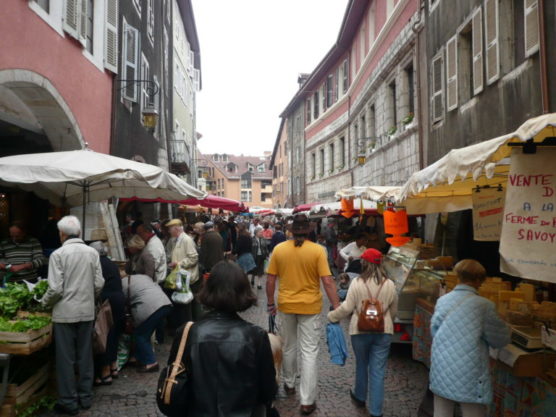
x=422 y=331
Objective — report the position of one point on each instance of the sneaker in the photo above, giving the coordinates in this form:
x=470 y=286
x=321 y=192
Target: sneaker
x=308 y=409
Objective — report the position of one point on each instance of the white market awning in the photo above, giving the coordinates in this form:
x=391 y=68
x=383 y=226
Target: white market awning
x=447 y=184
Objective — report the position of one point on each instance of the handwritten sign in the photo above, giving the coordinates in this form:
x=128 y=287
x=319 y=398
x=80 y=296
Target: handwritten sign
x=488 y=208
x=528 y=239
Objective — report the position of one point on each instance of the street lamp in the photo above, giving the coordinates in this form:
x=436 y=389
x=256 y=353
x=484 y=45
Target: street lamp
x=149 y=114
x=150 y=117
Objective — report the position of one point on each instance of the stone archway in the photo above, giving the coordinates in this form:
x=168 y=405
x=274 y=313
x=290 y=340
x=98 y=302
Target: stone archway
x=30 y=101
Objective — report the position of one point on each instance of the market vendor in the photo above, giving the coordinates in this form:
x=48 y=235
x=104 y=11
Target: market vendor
x=355 y=249
x=21 y=256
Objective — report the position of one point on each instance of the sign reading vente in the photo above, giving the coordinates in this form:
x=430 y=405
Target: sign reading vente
x=488 y=208
x=528 y=239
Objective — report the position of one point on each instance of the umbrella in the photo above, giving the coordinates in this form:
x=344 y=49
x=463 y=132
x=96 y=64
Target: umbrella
x=72 y=177
x=334 y=209
x=210 y=201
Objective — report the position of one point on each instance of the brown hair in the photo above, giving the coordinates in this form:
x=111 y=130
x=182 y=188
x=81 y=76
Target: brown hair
x=227 y=289
x=371 y=270
x=469 y=270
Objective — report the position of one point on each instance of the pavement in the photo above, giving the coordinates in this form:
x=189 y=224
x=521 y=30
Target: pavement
x=132 y=394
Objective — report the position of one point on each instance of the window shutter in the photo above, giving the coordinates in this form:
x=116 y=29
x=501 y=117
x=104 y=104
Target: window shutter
x=477 y=29
x=437 y=92
x=452 y=74
x=131 y=58
x=111 y=36
x=492 y=48
x=71 y=17
x=83 y=22
x=197 y=79
x=531 y=27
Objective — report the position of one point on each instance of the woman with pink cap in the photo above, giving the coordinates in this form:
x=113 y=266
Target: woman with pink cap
x=371 y=348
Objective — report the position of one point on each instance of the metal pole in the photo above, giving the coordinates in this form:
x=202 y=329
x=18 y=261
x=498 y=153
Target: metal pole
x=85 y=190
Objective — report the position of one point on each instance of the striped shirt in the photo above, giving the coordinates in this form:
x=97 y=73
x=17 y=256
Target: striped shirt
x=29 y=250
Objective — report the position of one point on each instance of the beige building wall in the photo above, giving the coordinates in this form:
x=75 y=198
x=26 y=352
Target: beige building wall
x=280 y=178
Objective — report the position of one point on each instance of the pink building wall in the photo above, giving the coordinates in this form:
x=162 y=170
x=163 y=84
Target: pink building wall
x=409 y=10
x=28 y=42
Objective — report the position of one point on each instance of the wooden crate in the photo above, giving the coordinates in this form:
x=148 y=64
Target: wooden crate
x=25 y=343
x=30 y=391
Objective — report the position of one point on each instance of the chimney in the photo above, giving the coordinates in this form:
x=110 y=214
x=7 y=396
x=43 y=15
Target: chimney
x=301 y=78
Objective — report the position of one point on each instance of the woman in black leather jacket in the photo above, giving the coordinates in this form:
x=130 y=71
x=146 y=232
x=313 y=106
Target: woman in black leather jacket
x=229 y=360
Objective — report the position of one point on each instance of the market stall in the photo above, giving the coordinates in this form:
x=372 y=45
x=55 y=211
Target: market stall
x=508 y=185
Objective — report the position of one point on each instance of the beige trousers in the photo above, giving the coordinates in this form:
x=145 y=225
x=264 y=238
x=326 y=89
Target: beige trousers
x=444 y=407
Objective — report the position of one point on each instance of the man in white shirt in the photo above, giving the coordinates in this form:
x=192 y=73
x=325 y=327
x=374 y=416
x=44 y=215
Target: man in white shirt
x=154 y=246
x=355 y=249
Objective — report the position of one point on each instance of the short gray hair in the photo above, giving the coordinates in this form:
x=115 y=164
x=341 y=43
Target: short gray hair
x=100 y=247
x=69 y=225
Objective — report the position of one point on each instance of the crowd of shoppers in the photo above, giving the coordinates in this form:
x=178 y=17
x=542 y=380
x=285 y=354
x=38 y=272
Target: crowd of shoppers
x=223 y=263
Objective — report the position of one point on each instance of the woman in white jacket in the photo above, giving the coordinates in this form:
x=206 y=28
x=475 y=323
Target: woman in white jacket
x=371 y=349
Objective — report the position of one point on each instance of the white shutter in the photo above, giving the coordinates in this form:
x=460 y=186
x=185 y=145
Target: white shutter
x=452 y=73
x=83 y=22
x=191 y=63
x=111 y=36
x=531 y=27
x=492 y=54
x=437 y=97
x=477 y=50
x=71 y=17
x=130 y=59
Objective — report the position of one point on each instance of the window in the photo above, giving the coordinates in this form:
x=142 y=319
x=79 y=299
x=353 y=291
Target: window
x=477 y=48
x=144 y=86
x=342 y=151
x=362 y=51
x=274 y=172
x=261 y=168
x=321 y=160
x=345 y=72
x=330 y=90
x=331 y=157
x=169 y=10
x=437 y=93
x=531 y=37
x=492 y=53
x=89 y=19
x=452 y=74
x=465 y=64
x=231 y=167
x=43 y=4
x=410 y=79
x=308 y=111
x=166 y=77
x=297 y=185
x=389 y=7
x=371 y=23
x=246 y=180
x=130 y=54
x=150 y=20
x=392 y=104
x=313 y=165
x=246 y=196
x=363 y=124
x=372 y=126
x=323 y=97
x=315 y=105
x=336 y=84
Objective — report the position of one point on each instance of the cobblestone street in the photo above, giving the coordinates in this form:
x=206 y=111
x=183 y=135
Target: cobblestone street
x=133 y=394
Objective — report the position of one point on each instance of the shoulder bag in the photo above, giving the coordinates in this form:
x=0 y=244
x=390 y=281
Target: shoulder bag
x=103 y=324
x=128 y=320
x=172 y=394
x=371 y=316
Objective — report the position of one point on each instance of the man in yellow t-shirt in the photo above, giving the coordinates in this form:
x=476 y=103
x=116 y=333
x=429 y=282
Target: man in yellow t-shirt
x=300 y=265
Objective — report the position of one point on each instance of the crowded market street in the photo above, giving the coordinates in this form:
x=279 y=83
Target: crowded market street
x=132 y=395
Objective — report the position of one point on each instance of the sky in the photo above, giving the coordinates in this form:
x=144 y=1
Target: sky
x=251 y=54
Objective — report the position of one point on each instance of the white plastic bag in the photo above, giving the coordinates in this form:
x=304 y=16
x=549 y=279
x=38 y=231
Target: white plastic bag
x=183 y=294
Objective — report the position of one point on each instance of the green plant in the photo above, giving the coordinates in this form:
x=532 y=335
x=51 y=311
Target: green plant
x=46 y=402
x=392 y=130
x=24 y=324
x=408 y=119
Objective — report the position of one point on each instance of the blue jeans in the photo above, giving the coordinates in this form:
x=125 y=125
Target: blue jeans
x=143 y=348
x=371 y=355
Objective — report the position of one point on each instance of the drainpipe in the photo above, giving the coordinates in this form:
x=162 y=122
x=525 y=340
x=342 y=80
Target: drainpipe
x=542 y=52
x=417 y=28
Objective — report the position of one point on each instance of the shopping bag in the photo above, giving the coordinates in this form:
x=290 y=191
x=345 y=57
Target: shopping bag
x=170 y=281
x=103 y=324
x=182 y=294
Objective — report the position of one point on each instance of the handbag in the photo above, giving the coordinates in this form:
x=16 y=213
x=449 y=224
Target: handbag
x=183 y=294
x=172 y=393
x=128 y=318
x=103 y=324
x=371 y=316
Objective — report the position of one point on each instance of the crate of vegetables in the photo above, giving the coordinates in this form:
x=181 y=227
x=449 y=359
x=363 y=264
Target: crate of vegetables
x=24 y=327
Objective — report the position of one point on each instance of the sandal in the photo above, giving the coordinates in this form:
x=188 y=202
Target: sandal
x=106 y=380
x=114 y=373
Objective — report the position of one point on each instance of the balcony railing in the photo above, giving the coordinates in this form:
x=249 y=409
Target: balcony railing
x=179 y=156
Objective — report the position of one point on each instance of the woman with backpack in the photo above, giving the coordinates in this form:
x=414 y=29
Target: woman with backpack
x=372 y=301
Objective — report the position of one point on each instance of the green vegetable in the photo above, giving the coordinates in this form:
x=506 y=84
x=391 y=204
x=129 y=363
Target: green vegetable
x=22 y=325
x=47 y=402
x=40 y=289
